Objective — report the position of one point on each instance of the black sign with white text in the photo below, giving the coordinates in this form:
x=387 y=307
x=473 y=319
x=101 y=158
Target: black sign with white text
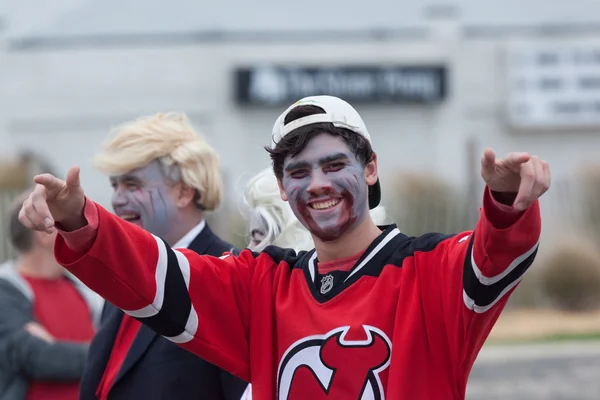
x=267 y=85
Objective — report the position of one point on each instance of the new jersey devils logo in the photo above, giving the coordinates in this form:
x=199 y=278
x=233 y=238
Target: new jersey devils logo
x=328 y=366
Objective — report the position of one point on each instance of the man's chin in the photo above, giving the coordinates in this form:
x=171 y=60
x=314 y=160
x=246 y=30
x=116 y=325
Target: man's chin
x=329 y=234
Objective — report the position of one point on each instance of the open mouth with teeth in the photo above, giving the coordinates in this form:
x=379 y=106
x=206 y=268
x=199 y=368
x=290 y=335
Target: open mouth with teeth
x=130 y=217
x=324 y=205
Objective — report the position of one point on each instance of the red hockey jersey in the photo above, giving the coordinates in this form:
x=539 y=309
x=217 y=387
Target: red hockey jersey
x=406 y=322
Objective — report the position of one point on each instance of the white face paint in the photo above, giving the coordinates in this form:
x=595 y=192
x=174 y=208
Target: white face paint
x=326 y=187
x=257 y=230
x=144 y=198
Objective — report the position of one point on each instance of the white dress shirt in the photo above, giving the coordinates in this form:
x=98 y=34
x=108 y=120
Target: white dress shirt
x=185 y=241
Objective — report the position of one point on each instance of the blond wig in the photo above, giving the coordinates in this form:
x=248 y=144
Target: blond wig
x=171 y=139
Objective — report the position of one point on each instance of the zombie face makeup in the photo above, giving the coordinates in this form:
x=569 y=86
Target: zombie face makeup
x=142 y=197
x=258 y=230
x=326 y=188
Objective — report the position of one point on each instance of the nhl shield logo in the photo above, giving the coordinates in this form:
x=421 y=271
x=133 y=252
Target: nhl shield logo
x=326 y=284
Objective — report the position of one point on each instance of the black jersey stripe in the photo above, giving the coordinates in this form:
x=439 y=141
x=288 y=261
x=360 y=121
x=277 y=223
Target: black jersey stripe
x=169 y=317
x=379 y=254
x=384 y=241
x=375 y=248
x=480 y=293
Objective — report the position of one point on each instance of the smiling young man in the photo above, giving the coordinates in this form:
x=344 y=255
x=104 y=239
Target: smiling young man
x=164 y=177
x=370 y=314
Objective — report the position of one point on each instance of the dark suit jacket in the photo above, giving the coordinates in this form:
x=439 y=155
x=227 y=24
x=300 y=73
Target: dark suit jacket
x=154 y=367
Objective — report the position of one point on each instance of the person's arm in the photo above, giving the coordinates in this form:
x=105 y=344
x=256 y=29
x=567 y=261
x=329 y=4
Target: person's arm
x=471 y=275
x=40 y=360
x=31 y=356
x=199 y=302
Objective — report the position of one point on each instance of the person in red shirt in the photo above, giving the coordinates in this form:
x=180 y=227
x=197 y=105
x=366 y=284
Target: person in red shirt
x=46 y=323
x=272 y=221
x=369 y=314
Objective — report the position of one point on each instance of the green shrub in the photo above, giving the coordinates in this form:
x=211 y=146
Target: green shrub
x=528 y=293
x=569 y=276
x=421 y=203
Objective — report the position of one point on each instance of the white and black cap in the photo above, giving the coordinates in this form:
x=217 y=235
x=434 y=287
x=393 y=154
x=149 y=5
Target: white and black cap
x=337 y=112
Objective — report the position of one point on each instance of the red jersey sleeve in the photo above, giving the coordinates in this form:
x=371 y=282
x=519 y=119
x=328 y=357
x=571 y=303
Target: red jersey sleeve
x=198 y=302
x=471 y=275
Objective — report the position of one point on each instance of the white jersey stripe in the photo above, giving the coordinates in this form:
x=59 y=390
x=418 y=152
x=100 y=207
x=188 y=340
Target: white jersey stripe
x=160 y=276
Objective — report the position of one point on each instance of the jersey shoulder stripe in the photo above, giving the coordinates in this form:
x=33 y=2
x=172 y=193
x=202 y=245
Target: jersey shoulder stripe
x=292 y=259
x=416 y=244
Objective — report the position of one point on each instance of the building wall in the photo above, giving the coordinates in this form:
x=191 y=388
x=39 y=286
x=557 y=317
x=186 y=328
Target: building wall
x=64 y=100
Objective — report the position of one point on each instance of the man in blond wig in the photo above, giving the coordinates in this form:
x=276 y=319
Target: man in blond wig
x=164 y=176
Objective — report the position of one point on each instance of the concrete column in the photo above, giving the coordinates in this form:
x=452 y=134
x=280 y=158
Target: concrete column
x=6 y=146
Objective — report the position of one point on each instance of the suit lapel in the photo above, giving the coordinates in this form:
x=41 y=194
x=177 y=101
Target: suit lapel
x=203 y=241
x=146 y=336
x=142 y=341
x=100 y=351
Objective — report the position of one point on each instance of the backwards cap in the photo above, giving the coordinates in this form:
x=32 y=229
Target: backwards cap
x=337 y=112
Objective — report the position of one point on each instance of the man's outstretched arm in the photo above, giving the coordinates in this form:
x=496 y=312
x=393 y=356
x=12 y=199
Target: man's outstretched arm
x=199 y=302
x=505 y=241
x=470 y=276
x=480 y=269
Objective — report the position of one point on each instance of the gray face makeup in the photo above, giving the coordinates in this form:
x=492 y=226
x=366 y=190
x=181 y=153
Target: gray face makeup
x=142 y=197
x=326 y=188
x=258 y=230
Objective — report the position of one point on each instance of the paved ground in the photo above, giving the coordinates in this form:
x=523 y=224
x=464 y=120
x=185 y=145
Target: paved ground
x=558 y=371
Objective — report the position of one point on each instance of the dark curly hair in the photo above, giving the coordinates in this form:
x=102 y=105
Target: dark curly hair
x=294 y=142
